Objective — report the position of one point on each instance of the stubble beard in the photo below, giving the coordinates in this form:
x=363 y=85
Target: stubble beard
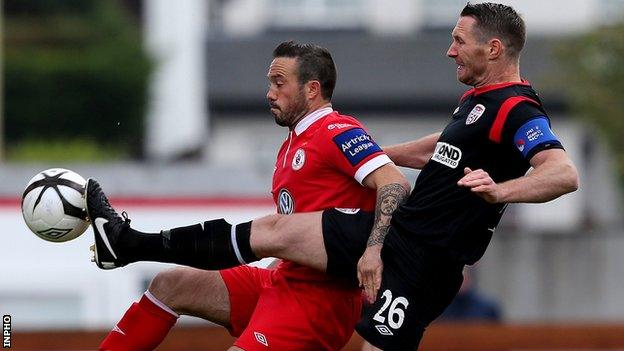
x=293 y=114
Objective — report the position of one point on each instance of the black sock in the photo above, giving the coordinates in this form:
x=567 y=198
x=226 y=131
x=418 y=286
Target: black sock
x=243 y=233
x=209 y=246
x=135 y=246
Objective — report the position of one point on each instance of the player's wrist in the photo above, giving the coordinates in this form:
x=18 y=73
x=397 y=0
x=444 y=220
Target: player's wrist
x=374 y=247
x=500 y=194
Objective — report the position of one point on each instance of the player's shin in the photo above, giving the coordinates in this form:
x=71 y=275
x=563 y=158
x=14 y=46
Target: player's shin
x=214 y=245
x=143 y=327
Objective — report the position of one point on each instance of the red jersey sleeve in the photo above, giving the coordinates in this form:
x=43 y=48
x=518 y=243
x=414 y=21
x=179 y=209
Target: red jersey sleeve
x=349 y=147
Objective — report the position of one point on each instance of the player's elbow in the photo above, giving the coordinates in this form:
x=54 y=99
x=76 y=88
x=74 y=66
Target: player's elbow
x=570 y=178
x=421 y=160
x=386 y=175
x=406 y=185
x=398 y=180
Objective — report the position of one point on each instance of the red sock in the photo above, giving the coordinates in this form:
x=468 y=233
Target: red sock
x=143 y=327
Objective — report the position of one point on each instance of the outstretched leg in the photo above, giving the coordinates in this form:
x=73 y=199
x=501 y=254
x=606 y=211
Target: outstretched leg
x=296 y=237
x=211 y=245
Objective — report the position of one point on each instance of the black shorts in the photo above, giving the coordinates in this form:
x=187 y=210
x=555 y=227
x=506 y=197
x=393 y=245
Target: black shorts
x=418 y=281
x=345 y=236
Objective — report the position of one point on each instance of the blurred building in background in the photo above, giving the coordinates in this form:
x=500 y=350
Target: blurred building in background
x=210 y=144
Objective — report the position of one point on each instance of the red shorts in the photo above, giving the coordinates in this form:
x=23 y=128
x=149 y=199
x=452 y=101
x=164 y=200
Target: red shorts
x=269 y=312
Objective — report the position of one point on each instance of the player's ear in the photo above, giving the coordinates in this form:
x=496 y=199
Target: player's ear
x=496 y=48
x=313 y=89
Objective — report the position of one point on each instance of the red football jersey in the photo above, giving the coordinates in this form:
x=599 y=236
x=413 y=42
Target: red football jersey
x=321 y=165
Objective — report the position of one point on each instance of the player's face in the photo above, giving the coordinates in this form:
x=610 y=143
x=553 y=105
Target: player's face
x=469 y=53
x=286 y=96
x=389 y=202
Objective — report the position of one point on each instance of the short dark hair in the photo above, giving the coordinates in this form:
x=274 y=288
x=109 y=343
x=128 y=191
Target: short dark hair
x=498 y=20
x=314 y=63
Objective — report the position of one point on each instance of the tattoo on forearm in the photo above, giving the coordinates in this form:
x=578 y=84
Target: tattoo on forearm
x=389 y=197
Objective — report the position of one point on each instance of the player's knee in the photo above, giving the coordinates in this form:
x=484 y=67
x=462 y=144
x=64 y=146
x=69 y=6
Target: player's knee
x=168 y=286
x=270 y=236
x=285 y=239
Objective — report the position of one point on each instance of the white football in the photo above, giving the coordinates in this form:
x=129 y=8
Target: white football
x=53 y=205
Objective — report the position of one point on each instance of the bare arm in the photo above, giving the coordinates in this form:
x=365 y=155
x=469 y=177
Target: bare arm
x=392 y=190
x=553 y=175
x=413 y=154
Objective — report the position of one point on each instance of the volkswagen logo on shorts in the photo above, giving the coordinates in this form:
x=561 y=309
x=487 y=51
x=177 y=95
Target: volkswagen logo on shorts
x=286 y=204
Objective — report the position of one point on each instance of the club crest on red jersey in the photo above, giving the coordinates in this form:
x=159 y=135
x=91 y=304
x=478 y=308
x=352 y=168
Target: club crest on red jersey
x=298 y=159
x=475 y=114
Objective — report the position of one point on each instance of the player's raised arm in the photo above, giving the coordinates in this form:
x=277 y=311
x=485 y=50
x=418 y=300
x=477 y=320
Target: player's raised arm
x=392 y=190
x=413 y=154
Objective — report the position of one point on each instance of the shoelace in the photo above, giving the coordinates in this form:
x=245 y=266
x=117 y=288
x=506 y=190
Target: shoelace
x=117 y=221
x=124 y=214
x=111 y=211
x=123 y=221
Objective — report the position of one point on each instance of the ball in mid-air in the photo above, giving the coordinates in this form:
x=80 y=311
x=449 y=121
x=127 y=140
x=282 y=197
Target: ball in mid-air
x=53 y=205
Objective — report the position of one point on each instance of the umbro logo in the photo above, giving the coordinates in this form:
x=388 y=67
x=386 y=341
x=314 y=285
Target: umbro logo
x=261 y=339
x=339 y=126
x=383 y=330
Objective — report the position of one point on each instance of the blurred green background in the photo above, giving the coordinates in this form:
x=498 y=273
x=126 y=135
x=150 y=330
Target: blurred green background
x=74 y=70
x=593 y=75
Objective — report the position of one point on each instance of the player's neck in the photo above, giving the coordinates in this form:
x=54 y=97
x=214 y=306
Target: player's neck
x=313 y=107
x=317 y=106
x=504 y=74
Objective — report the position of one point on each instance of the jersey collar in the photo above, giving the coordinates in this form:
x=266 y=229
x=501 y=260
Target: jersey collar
x=312 y=117
x=485 y=89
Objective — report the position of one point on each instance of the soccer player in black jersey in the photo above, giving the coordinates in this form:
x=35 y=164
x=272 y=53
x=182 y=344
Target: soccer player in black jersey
x=498 y=148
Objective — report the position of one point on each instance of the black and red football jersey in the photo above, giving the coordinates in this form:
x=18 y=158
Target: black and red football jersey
x=496 y=128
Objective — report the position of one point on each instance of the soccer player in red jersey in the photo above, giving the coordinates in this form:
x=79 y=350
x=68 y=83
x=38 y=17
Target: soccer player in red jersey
x=327 y=161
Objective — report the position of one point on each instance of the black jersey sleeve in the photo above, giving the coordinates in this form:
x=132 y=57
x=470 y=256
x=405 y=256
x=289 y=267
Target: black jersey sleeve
x=528 y=129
